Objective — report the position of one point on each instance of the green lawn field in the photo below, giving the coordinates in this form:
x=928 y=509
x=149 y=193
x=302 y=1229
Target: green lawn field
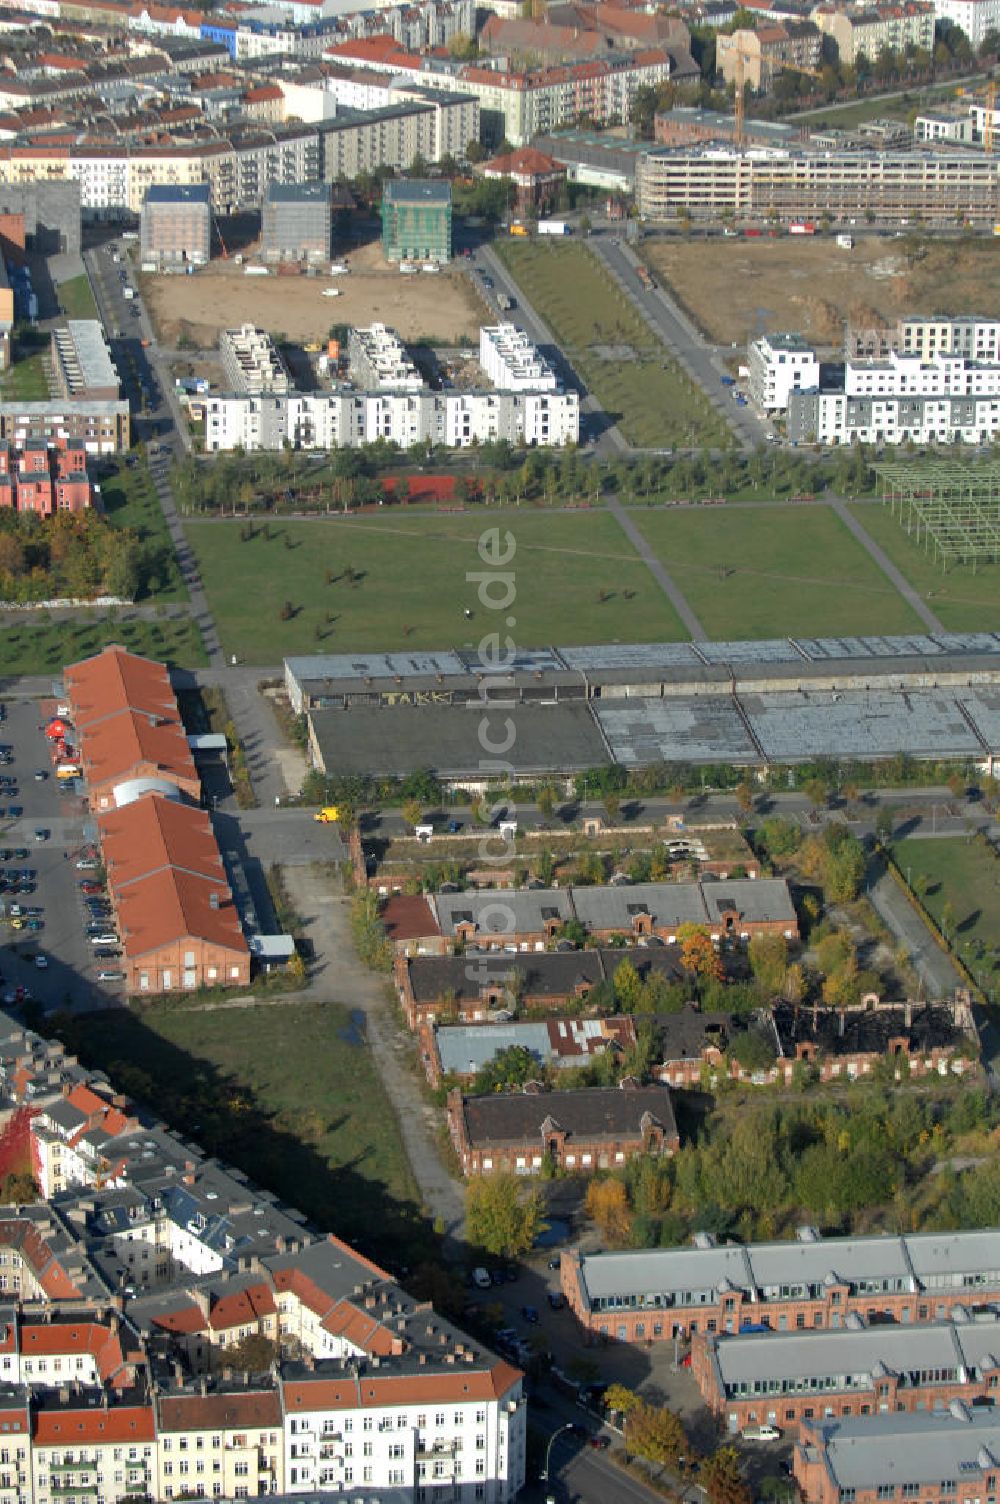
x=44 y=647
x=963 y=601
x=390 y=582
x=26 y=380
x=76 y=298
x=129 y=499
x=648 y=395
x=236 y=1079
x=959 y=883
x=774 y=572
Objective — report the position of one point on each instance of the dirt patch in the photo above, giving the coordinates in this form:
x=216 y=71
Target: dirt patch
x=737 y=289
x=442 y=307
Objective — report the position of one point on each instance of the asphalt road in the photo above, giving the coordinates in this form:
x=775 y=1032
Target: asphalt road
x=596 y=428
x=680 y=338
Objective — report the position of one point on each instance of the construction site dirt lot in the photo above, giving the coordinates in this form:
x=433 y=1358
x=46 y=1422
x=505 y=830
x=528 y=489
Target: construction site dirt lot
x=221 y=296
x=737 y=289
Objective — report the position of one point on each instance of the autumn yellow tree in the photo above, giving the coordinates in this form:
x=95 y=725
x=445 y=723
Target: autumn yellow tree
x=607 y=1205
x=698 y=954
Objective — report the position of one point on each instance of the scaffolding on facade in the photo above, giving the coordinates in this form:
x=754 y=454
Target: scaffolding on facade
x=951 y=508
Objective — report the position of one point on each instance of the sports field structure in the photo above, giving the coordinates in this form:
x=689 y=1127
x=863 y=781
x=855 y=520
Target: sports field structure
x=952 y=509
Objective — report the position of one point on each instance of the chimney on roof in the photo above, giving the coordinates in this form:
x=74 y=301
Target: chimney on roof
x=213 y=900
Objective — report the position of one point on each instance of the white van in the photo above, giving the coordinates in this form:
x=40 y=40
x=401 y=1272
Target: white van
x=761 y=1433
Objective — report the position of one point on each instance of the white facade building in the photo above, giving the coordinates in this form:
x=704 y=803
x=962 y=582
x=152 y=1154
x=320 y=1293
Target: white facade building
x=436 y=1442
x=780 y=364
x=912 y=376
x=835 y=418
x=975 y=17
x=377 y=358
x=976 y=339
x=345 y=419
x=512 y=363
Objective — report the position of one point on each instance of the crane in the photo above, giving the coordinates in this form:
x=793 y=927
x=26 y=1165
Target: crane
x=739 y=103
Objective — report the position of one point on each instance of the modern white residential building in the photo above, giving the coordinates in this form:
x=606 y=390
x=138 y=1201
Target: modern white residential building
x=251 y=362
x=345 y=419
x=974 y=338
x=913 y=376
x=512 y=363
x=780 y=364
x=835 y=418
x=378 y=360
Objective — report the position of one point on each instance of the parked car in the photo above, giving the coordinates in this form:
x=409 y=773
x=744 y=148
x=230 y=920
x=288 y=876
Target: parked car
x=87 y=864
x=40 y=775
x=556 y=1300
x=41 y=834
x=599 y=1443
x=530 y=1315
x=481 y=1279
x=42 y=962
x=111 y=976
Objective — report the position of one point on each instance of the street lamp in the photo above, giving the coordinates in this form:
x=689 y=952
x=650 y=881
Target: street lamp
x=544 y=1475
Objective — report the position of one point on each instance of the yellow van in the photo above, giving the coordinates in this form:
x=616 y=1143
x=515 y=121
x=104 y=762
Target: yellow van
x=328 y=815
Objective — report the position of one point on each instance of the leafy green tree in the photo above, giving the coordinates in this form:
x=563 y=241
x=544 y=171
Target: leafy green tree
x=655 y=1433
x=779 y=837
x=628 y=986
x=503 y=1214
x=769 y=961
x=510 y=1067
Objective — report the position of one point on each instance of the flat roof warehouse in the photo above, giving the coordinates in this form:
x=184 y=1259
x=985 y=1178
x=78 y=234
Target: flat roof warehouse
x=744 y=703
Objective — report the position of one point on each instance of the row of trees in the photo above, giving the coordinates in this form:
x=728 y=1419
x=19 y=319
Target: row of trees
x=656 y=1434
x=75 y=554
x=871 y=1161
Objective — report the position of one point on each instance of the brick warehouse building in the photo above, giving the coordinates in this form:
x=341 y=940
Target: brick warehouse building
x=575 y=1130
x=946 y=1454
x=783 y=1379
x=179 y=925
x=531 y=919
x=812 y=1282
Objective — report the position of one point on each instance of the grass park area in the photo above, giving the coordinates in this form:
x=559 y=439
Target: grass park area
x=129 y=499
x=775 y=572
x=612 y=349
x=76 y=298
x=963 y=601
x=27 y=378
x=392 y=582
x=235 y=1079
x=902 y=105
x=958 y=881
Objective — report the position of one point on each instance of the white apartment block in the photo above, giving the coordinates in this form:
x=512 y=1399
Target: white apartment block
x=835 y=418
x=344 y=419
x=973 y=338
x=711 y=182
x=959 y=130
x=780 y=364
x=512 y=363
x=518 y=106
x=251 y=362
x=866 y=30
x=912 y=376
x=975 y=17
x=378 y=359
x=414 y=1432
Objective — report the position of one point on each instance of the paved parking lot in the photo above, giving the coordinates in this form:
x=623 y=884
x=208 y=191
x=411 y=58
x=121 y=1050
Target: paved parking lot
x=70 y=980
